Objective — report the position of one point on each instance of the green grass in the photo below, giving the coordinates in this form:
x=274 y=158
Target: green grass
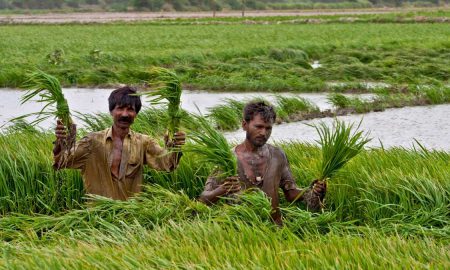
x=235 y=57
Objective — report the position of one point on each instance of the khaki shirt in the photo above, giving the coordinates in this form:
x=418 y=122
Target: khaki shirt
x=93 y=156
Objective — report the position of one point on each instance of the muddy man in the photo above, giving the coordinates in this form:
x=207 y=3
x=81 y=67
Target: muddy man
x=263 y=166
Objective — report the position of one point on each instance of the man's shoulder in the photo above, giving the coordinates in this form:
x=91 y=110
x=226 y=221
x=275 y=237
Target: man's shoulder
x=140 y=136
x=98 y=134
x=275 y=150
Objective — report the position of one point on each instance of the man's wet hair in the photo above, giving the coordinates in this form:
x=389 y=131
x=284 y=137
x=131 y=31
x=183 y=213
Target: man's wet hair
x=124 y=96
x=262 y=108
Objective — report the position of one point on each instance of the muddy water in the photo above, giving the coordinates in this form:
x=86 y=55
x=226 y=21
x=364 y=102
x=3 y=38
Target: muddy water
x=96 y=100
x=393 y=127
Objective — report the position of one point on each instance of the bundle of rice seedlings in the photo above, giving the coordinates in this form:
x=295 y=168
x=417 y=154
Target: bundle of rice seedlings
x=211 y=146
x=339 y=145
x=168 y=87
x=48 y=89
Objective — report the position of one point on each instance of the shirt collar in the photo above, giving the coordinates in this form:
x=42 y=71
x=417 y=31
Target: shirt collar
x=109 y=133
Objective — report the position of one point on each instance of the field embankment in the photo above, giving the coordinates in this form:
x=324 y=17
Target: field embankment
x=50 y=17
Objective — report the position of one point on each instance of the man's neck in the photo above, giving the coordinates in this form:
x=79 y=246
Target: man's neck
x=249 y=147
x=118 y=132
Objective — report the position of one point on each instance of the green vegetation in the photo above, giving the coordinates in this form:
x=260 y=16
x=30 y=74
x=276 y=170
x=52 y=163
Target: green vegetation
x=228 y=116
x=168 y=87
x=385 y=99
x=380 y=201
x=339 y=145
x=211 y=147
x=49 y=91
x=236 y=57
x=385 y=208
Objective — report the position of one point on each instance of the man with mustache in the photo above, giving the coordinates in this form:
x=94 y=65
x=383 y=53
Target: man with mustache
x=111 y=161
x=262 y=166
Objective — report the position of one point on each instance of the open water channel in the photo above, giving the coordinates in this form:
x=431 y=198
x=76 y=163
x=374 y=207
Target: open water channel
x=430 y=125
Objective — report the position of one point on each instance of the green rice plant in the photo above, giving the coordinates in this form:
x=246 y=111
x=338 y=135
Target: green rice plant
x=211 y=146
x=435 y=95
x=28 y=183
x=339 y=145
x=227 y=116
x=95 y=122
x=48 y=89
x=290 y=106
x=339 y=100
x=212 y=245
x=169 y=89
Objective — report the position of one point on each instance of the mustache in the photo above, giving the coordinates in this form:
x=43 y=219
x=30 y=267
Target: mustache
x=125 y=119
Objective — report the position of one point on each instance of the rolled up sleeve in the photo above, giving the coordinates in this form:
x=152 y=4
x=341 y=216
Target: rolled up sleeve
x=159 y=158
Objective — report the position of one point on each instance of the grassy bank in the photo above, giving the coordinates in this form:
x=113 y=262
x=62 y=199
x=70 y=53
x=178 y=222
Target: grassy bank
x=236 y=57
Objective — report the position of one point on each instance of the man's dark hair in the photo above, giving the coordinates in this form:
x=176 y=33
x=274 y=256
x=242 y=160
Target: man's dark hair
x=124 y=96
x=259 y=107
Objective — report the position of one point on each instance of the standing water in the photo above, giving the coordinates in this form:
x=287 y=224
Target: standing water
x=394 y=127
x=96 y=100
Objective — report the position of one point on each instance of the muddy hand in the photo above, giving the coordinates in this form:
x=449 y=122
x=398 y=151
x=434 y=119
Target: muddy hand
x=231 y=185
x=179 y=139
x=62 y=137
x=319 y=188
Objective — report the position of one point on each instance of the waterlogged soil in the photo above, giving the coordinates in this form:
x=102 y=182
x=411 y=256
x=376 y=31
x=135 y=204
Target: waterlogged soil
x=393 y=127
x=96 y=101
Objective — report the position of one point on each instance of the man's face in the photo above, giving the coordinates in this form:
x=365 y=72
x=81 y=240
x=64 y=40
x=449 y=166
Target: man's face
x=123 y=116
x=258 y=131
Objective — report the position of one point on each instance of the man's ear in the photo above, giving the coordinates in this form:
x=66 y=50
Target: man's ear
x=244 y=125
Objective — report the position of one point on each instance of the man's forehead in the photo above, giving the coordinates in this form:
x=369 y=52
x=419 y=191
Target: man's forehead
x=258 y=118
x=124 y=106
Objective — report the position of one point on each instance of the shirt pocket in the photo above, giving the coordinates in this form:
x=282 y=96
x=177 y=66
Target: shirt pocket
x=134 y=162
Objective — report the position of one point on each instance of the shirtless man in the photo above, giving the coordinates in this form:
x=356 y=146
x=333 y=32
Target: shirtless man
x=263 y=166
x=111 y=161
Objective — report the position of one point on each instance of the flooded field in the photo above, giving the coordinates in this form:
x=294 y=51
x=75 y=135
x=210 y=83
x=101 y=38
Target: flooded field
x=96 y=100
x=394 y=127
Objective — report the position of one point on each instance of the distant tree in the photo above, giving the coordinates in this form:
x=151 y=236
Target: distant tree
x=398 y=3
x=73 y=3
x=141 y=4
x=4 y=4
x=215 y=6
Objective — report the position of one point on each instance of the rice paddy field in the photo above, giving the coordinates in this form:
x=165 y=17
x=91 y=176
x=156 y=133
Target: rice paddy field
x=387 y=208
x=233 y=55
